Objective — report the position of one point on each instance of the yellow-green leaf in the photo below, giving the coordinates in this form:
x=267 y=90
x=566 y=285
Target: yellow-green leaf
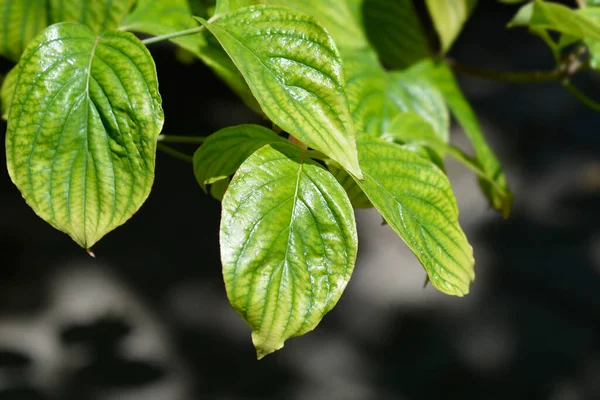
x=82 y=129
x=415 y=198
x=295 y=72
x=7 y=90
x=288 y=244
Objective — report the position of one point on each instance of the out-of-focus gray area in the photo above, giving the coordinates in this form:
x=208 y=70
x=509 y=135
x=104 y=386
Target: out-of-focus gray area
x=149 y=319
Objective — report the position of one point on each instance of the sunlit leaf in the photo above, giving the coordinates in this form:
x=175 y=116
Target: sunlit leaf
x=288 y=244
x=20 y=22
x=82 y=129
x=415 y=198
x=295 y=72
x=556 y=17
x=224 y=151
x=449 y=16
x=225 y=6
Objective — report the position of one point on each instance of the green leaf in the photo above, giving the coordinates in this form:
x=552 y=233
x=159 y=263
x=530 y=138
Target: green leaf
x=218 y=189
x=556 y=17
x=449 y=16
x=20 y=22
x=341 y=18
x=98 y=15
x=376 y=96
x=499 y=195
x=160 y=17
x=224 y=151
x=7 y=90
x=82 y=129
x=288 y=244
x=295 y=72
x=415 y=198
x=394 y=29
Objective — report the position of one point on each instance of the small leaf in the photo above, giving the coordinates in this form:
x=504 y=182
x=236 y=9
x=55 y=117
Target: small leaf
x=7 y=90
x=394 y=29
x=449 y=16
x=295 y=72
x=416 y=200
x=556 y=17
x=98 y=15
x=20 y=22
x=160 y=17
x=224 y=151
x=288 y=244
x=443 y=78
x=593 y=45
x=82 y=129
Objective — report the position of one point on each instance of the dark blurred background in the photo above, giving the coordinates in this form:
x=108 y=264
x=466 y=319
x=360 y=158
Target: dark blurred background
x=149 y=319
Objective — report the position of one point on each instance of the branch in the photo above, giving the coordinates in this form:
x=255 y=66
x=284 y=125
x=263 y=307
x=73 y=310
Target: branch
x=175 y=153
x=582 y=97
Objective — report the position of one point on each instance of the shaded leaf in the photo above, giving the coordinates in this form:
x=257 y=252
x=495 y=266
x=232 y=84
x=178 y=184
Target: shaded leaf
x=449 y=16
x=357 y=198
x=224 y=151
x=295 y=72
x=415 y=198
x=7 y=90
x=20 y=22
x=82 y=129
x=288 y=244
x=499 y=195
x=394 y=29
x=98 y=15
x=160 y=17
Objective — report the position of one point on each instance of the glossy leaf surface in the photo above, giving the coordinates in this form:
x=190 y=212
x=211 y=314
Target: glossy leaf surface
x=82 y=129
x=295 y=72
x=224 y=151
x=415 y=198
x=288 y=244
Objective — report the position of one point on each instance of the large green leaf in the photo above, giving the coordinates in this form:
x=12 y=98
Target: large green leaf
x=357 y=198
x=98 y=15
x=394 y=29
x=7 y=90
x=82 y=129
x=20 y=22
x=288 y=244
x=498 y=194
x=160 y=17
x=449 y=16
x=556 y=17
x=415 y=198
x=295 y=72
x=223 y=152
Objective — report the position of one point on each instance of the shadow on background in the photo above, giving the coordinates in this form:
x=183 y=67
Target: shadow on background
x=149 y=319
